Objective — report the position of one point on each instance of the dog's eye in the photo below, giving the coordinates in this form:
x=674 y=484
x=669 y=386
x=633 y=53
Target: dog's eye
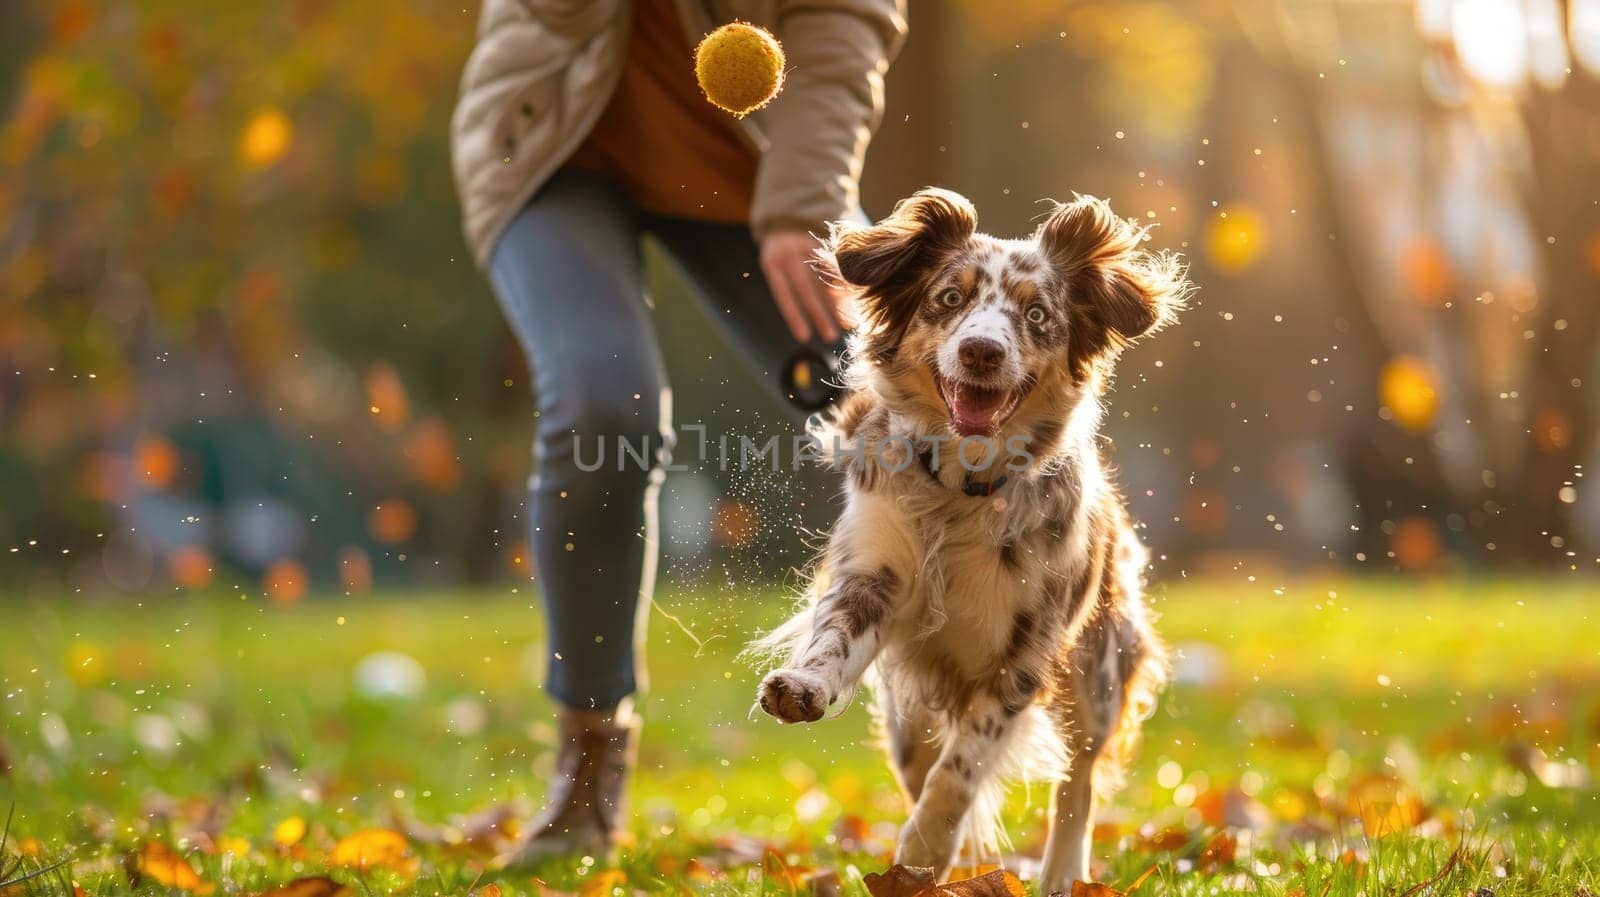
x=1036 y=314
x=950 y=298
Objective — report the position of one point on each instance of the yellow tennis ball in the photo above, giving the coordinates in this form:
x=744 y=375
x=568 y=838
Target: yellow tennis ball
x=739 y=67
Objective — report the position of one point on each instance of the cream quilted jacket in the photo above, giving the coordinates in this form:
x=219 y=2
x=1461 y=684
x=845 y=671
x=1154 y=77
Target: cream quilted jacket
x=542 y=71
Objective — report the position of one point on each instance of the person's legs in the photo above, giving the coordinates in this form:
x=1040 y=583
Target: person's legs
x=568 y=277
x=722 y=263
x=567 y=274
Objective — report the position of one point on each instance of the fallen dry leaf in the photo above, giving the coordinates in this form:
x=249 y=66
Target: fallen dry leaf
x=998 y=883
x=1164 y=840
x=899 y=881
x=1093 y=889
x=159 y=862
x=374 y=848
x=918 y=881
x=962 y=873
x=1218 y=852
x=314 y=886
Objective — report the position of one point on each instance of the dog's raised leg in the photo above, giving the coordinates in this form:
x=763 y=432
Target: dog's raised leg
x=965 y=765
x=844 y=641
x=866 y=574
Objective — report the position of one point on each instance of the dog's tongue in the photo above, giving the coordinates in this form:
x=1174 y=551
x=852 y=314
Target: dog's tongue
x=973 y=409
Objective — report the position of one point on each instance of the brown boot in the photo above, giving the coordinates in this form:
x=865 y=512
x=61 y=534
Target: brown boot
x=584 y=809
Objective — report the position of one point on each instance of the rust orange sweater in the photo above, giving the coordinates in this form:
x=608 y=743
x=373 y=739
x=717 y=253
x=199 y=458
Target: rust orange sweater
x=672 y=151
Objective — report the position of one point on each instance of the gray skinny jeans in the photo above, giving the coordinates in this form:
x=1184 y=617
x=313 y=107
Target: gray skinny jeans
x=569 y=277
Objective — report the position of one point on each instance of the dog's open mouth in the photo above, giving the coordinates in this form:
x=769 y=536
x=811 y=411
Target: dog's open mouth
x=977 y=410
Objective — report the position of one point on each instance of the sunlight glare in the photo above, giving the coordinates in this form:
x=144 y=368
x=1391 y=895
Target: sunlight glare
x=1433 y=19
x=1583 y=23
x=1491 y=38
x=1547 y=45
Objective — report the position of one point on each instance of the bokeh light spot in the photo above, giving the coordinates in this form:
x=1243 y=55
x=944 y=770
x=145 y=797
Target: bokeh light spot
x=1407 y=387
x=157 y=461
x=1552 y=431
x=1415 y=543
x=1236 y=239
x=286 y=581
x=392 y=521
x=1425 y=270
x=191 y=567
x=266 y=138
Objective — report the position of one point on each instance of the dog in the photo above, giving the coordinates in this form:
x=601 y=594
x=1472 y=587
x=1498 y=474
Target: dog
x=984 y=576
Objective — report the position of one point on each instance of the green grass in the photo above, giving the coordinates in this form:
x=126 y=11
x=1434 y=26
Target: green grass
x=128 y=722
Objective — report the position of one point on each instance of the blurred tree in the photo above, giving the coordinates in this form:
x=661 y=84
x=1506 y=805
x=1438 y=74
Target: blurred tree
x=224 y=214
x=1503 y=447
x=1563 y=128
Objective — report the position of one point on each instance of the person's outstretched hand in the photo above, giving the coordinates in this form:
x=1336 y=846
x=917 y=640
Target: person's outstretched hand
x=808 y=305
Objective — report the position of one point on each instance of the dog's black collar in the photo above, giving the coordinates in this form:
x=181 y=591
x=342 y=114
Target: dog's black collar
x=969 y=486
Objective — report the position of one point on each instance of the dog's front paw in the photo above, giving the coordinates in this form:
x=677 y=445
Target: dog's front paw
x=794 y=696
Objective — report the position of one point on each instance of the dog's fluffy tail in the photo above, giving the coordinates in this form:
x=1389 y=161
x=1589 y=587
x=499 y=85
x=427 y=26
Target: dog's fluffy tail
x=1144 y=675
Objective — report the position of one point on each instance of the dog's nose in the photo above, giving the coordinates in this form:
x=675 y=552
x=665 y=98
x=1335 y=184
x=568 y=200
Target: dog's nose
x=981 y=356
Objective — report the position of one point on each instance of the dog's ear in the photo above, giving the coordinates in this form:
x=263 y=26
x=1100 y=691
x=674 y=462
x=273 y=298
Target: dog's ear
x=928 y=222
x=1118 y=291
x=886 y=259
